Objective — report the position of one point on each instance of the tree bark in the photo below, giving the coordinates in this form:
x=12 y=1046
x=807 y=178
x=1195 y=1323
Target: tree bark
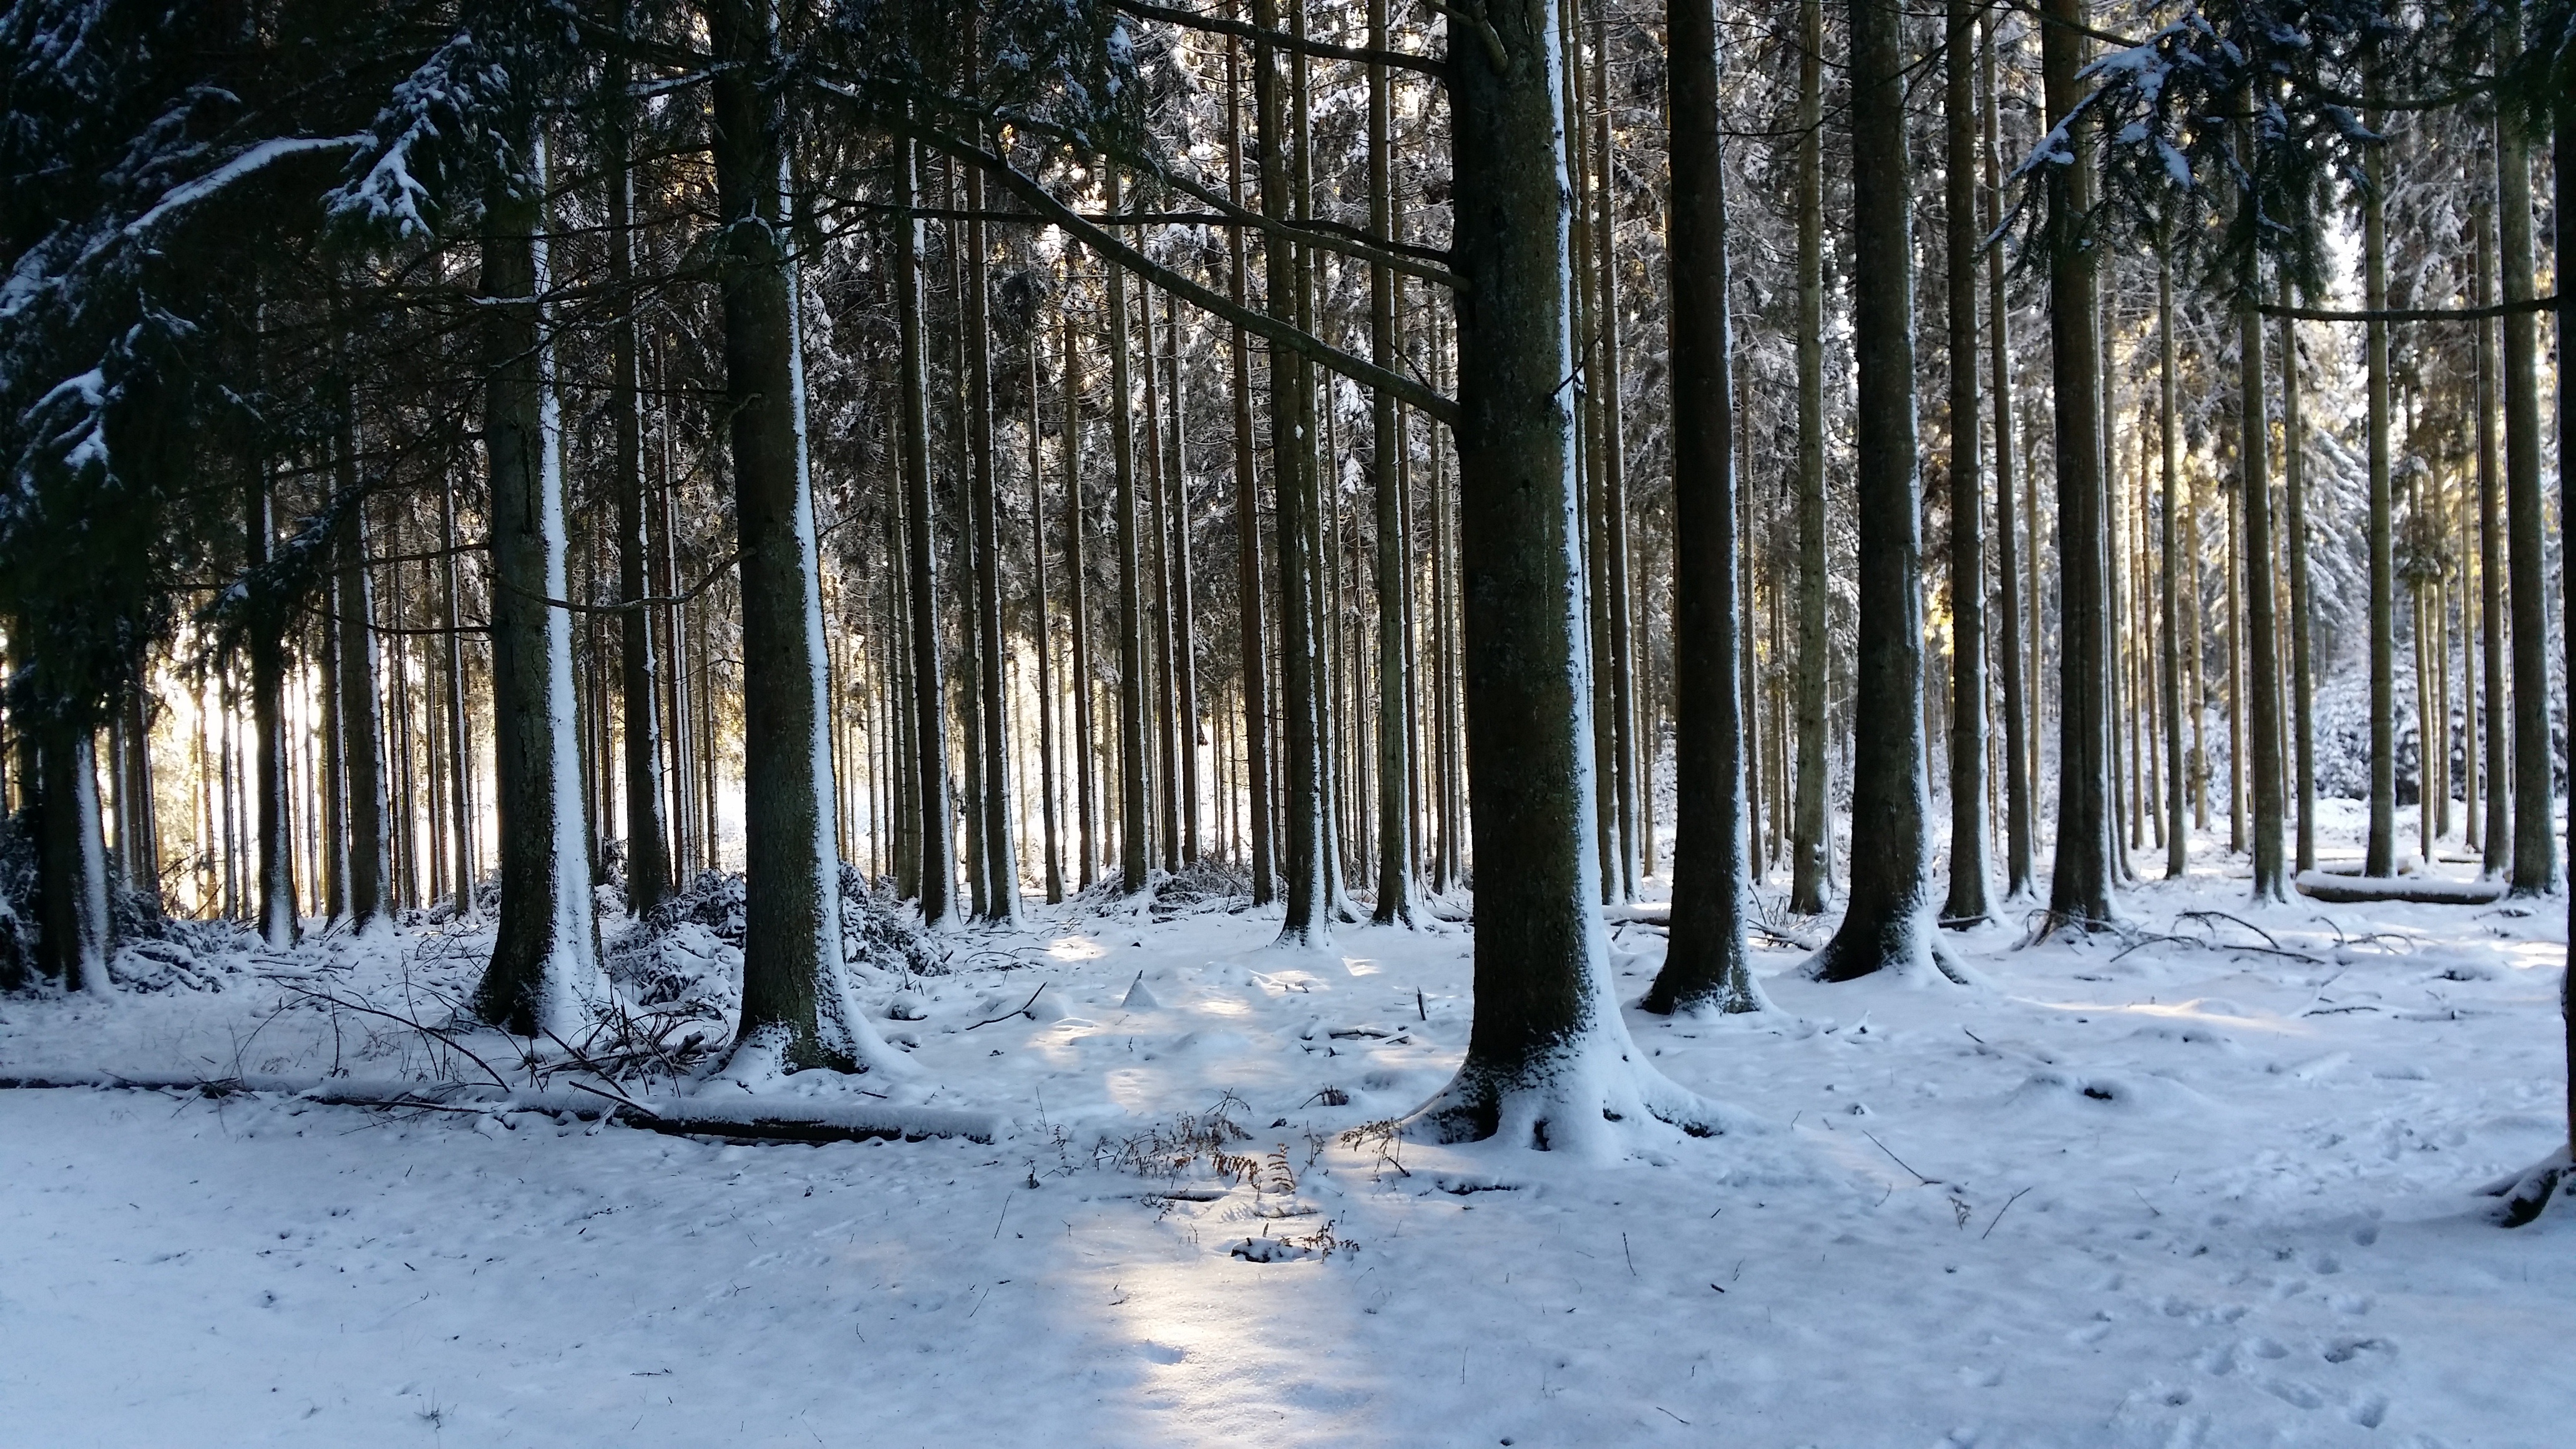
x=934 y=801
x=72 y=922
x=1705 y=964
x=2263 y=679
x=2535 y=848
x=1811 y=865
x=2168 y=447
x=2080 y=887
x=1087 y=795
x=2018 y=782
x=278 y=925
x=1884 y=925
x=361 y=731
x=1969 y=903
x=2294 y=475
x=1548 y=1060
x=1001 y=859
x=544 y=975
x=1042 y=637
x=796 y=1005
x=1249 y=600
x=1394 y=551
x=1134 y=816
x=648 y=860
x=2380 y=849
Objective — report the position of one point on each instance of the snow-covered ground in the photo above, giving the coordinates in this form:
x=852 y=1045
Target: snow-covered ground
x=2165 y=1195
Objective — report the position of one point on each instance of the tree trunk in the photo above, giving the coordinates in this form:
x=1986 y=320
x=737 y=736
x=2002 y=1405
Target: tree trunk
x=1394 y=551
x=1001 y=859
x=1884 y=925
x=2263 y=660
x=361 y=731
x=2294 y=474
x=934 y=803
x=1811 y=867
x=797 y=1010
x=1249 y=600
x=1184 y=613
x=1087 y=795
x=1304 y=864
x=72 y=922
x=1548 y=1058
x=1705 y=964
x=1042 y=638
x=1969 y=903
x=2080 y=887
x=545 y=974
x=2535 y=849
x=2018 y=782
x=2380 y=851
x=278 y=926
x=648 y=861
x=1134 y=819
x=2168 y=445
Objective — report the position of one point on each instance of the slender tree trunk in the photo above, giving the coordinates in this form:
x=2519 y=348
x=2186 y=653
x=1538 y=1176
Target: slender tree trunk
x=1394 y=551
x=934 y=803
x=1705 y=966
x=1184 y=611
x=2018 y=784
x=2303 y=680
x=2380 y=853
x=648 y=862
x=2168 y=446
x=797 y=1010
x=1001 y=858
x=1086 y=813
x=1134 y=819
x=1811 y=869
x=1969 y=902
x=2535 y=848
x=1042 y=637
x=2263 y=660
x=278 y=926
x=361 y=730
x=1885 y=924
x=2080 y=886
x=1614 y=463
x=1249 y=600
x=1304 y=862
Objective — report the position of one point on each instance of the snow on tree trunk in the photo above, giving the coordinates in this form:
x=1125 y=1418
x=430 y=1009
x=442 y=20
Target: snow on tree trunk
x=545 y=974
x=1549 y=1063
x=1704 y=966
x=1887 y=922
x=797 y=1010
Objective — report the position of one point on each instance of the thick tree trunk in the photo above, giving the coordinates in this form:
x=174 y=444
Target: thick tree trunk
x=544 y=975
x=648 y=861
x=1811 y=863
x=278 y=926
x=1705 y=964
x=933 y=801
x=2080 y=887
x=1969 y=903
x=1001 y=858
x=2018 y=782
x=1885 y=925
x=2535 y=847
x=797 y=1009
x=1548 y=1058
x=72 y=922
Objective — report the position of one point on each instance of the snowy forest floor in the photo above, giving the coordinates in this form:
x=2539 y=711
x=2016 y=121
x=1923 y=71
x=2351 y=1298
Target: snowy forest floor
x=2169 y=1195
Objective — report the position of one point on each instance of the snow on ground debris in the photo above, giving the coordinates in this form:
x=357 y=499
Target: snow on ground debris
x=2181 y=1194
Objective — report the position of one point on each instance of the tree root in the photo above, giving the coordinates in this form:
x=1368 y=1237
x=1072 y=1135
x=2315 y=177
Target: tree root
x=2527 y=1194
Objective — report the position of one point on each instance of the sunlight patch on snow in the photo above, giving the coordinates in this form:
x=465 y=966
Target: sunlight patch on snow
x=2195 y=1009
x=1076 y=948
x=1361 y=966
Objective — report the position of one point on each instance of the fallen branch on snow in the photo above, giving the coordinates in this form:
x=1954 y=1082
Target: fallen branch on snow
x=748 y=1118
x=2340 y=889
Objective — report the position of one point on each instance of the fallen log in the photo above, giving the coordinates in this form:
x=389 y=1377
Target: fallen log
x=2339 y=889
x=740 y=1119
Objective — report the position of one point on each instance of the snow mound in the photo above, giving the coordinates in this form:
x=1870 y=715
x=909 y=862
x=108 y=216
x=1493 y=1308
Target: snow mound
x=2058 y=1090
